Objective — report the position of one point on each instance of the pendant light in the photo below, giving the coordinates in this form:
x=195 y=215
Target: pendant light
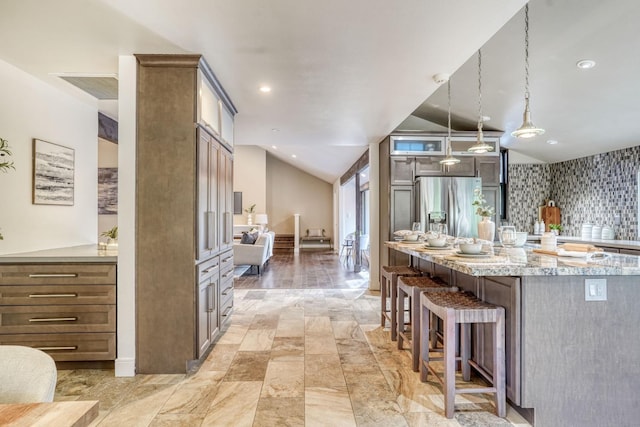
x=449 y=159
x=480 y=146
x=527 y=130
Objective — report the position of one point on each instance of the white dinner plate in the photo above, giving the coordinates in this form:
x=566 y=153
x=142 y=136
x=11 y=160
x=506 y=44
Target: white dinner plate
x=438 y=248
x=411 y=242
x=480 y=255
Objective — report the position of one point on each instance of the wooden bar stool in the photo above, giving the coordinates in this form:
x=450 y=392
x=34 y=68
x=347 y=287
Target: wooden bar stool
x=464 y=309
x=412 y=287
x=389 y=290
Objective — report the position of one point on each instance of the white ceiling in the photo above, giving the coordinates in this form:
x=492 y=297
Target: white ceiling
x=344 y=73
x=586 y=111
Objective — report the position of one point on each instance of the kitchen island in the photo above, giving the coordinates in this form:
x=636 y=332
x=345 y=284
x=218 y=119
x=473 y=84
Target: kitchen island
x=571 y=360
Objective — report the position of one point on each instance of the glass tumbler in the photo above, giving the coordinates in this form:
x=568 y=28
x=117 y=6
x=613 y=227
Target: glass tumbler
x=507 y=236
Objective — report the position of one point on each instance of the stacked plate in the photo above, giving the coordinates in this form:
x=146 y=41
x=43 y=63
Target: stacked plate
x=596 y=232
x=586 y=231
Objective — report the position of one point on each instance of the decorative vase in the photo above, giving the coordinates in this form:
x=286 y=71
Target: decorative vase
x=486 y=229
x=249 y=219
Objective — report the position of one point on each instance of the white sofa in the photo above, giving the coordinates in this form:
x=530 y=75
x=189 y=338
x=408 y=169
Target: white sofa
x=257 y=254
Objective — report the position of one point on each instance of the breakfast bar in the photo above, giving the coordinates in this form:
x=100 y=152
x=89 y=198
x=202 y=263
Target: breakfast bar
x=572 y=341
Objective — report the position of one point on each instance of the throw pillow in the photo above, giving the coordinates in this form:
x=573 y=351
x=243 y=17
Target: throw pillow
x=248 y=238
x=315 y=232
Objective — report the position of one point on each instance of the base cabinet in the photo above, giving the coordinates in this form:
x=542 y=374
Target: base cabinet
x=208 y=321
x=67 y=310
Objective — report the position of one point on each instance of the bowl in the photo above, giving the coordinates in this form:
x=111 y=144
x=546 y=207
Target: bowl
x=470 y=248
x=521 y=238
x=411 y=237
x=437 y=242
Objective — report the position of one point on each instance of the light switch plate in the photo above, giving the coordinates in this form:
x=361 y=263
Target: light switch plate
x=595 y=289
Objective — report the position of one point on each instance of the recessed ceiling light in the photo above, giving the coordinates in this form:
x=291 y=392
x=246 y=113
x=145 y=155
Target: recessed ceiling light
x=486 y=118
x=265 y=89
x=275 y=130
x=294 y=156
x=585 y=64
x=552 y=142
x=274 y=147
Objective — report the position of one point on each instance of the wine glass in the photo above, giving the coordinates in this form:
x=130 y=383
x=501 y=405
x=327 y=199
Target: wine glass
x=416 y=226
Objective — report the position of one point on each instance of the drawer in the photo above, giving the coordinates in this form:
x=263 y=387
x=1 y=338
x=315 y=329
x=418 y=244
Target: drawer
x=226 y=273
x=68 y=347
x=208 y=268
x=59 y=295
x=226 y=260
x=57 y=318
x=226 y=308
x=58 y=274
x=226 y=287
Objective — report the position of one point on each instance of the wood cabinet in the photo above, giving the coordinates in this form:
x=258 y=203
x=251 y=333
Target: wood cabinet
x=184 y=209
x=488 y=168
x=226 y=287
x=466 y=167
x=67 y=310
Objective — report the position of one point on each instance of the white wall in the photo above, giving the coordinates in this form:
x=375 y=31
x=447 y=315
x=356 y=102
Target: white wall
x=29 y=108
x=249 y=177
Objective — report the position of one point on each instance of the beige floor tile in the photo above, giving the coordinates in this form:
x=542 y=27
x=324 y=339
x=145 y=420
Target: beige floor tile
x=248 y=366
x=317 y=325
x=284 y=379
x=320 y=344
x=141 y=408
x=323 y=370
x=257 y=340
x=234 y=405
x=349 y=329
x=234 y=335
x=177 y=420
x=328 y=407
x=287 y=349
x=290 y=328
x=280 y=411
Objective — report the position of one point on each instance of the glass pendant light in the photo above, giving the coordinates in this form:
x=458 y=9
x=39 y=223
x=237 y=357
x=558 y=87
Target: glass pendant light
x=480 y=147
x=527 y=130
x=449 y=159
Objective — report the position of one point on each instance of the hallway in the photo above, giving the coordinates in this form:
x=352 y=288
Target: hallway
x=290 y=357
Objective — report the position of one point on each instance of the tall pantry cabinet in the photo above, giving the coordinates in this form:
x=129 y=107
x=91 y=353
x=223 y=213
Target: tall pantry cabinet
x=184 y=212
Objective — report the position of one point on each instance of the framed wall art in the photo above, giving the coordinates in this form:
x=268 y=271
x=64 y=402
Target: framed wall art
x=53 y=173
x=107 y=191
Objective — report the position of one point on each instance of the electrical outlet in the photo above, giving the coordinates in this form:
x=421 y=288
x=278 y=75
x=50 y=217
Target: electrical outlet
x=595 y=289
x=616 y=219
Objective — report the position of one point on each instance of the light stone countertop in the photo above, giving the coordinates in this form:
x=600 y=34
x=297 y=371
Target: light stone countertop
x=524 y=262
x=84 y=253
x=621 y=244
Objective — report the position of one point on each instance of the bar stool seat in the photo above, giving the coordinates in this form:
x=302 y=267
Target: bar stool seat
x=464 y=309
x=389 y=290
x=412 y=287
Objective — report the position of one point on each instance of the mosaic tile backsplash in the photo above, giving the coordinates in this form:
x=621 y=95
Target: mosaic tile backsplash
x=591 y=189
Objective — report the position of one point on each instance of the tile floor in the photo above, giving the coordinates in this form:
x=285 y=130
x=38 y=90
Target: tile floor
x=288 y=357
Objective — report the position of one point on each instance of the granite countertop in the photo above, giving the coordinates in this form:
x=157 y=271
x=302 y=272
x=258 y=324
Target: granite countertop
x=621 y=244
x=84 y=253
x=524 y=262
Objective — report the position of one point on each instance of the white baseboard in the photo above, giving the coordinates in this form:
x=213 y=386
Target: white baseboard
x=125 y=367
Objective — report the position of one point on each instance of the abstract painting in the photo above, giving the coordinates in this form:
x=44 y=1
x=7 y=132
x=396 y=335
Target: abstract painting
x=53 y=171
x=107 y=191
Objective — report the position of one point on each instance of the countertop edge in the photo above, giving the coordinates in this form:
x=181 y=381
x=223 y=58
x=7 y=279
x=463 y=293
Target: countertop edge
x=72 y=254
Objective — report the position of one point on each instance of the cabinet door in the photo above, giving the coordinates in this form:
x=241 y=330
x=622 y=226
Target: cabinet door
x=488 y=168
x=402 y=170
x=204 y=337
x=214 y=307
x=492 y=196
x=402 y=214
x=227 y=126
x=225 y=199
x=428 y=166
x=208 y=211
x=466 y=167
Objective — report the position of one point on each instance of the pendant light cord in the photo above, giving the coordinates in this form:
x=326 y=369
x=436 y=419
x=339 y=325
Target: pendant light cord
x=449 y=112
x=480 y=90
x=526 y=51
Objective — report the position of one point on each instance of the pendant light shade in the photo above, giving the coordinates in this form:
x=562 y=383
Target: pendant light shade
x=527 y=130
x=480 y=146
x=449 y=159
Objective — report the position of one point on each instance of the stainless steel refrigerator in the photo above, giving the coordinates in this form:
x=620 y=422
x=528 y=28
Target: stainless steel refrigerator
x=453 y=196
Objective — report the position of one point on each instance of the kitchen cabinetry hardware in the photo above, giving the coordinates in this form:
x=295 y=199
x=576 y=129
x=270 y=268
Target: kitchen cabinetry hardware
x=51 y=275
x=53 y=295
x=59 y=348
x=54 y=319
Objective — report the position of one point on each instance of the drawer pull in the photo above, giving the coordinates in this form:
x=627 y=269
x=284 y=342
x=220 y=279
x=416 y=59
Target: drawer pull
x=72 y=347
x=53 y=295
x=227 y=259
x=225 y=275
x=226 y=291
x=52 y=275
x=208 y=270
x=54 y=319
x=226 y=312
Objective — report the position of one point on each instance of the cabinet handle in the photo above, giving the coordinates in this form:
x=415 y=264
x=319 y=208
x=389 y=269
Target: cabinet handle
x=226 y=291
x=211 y=229
x=227 y=259
x=226 y=312
x=71 y=347
x=53 y=295
x=51 y=275
x=224 y=276
x=210 y=269
x=54 y=319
